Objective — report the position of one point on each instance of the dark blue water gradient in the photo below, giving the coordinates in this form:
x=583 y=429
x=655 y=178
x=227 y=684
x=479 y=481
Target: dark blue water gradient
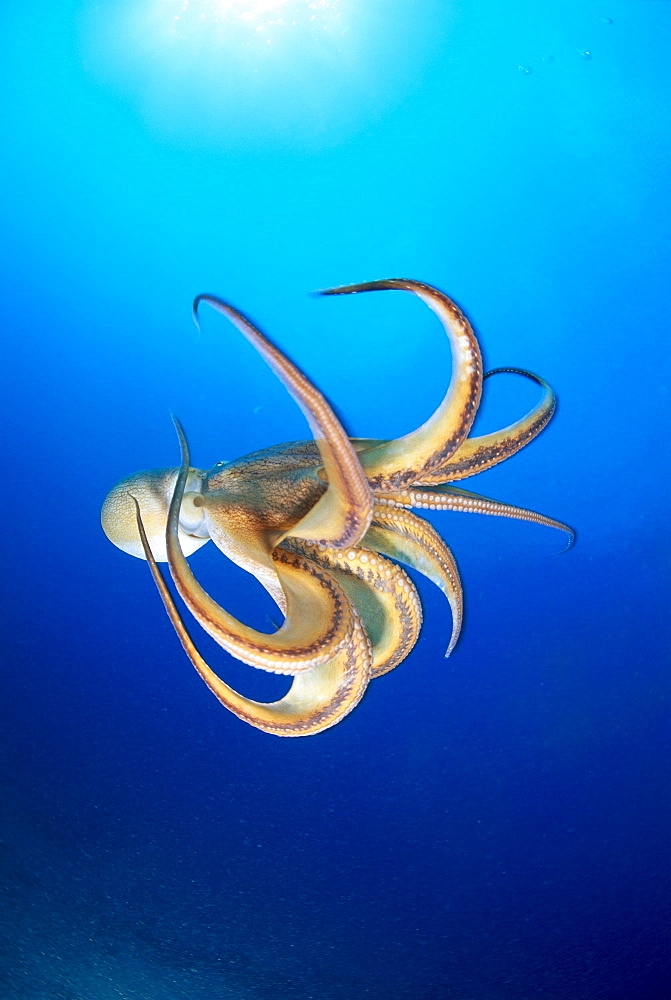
x=491 y=826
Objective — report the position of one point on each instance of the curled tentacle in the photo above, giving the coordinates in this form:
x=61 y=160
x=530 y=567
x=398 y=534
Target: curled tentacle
x=476 y=454
x=343 y=513
x=318 y=698
x=383 y=594
x=319 y=618
x=411 y=540
x=417 y=455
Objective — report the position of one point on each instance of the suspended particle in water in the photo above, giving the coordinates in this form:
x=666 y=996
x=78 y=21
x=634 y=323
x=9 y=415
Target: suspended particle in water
x=607 y=20
x=584 y=54
x=525 y=69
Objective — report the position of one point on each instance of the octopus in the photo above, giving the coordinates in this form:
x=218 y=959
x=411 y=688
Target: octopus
x=323 y=525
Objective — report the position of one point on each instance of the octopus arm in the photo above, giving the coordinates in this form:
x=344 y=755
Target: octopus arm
x=410 y=539
x=476 y=454
x=383 y=595
x=342 y=515
x=448 y=497
x=317 y=699
x=319 y=618
x=415 y=456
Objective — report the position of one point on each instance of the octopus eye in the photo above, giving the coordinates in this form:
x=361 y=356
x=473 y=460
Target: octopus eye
x=153 y=490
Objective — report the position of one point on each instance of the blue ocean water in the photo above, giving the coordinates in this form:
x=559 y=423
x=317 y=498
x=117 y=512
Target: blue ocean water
x=494 y=826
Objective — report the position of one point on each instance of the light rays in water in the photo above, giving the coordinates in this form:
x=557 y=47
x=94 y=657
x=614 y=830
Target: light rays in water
x=263 y=18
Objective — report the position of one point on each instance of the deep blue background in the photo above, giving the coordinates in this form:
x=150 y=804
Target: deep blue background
x=492 y=826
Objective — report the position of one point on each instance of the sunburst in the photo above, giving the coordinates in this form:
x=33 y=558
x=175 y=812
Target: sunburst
x=261 y=16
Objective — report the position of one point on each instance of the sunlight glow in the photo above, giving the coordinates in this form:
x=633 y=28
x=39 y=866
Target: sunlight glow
x=265 y=17
x=255 y=78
